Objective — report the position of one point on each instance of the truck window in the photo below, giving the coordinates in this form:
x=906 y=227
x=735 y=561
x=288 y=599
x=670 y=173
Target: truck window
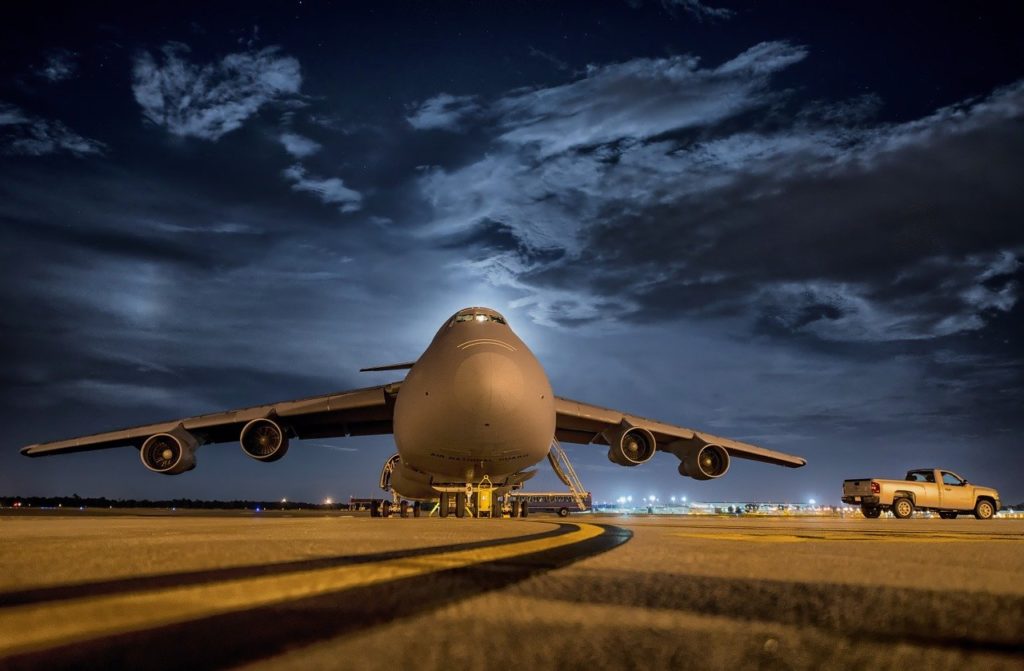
x=950 y=479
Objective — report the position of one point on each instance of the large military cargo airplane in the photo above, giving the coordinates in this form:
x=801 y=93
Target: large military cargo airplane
x=476 y=403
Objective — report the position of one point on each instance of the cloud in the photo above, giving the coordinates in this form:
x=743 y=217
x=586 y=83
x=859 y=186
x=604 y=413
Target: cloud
x=641 y=98
x=657 y=188
x=330 y=190
x=24 y=135
x=698 y=10
x=208 y=101
x=60 y=65
x=298 y=145
x=442 y=112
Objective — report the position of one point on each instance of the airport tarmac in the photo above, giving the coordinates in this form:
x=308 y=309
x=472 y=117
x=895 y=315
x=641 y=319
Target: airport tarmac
x=278 y=591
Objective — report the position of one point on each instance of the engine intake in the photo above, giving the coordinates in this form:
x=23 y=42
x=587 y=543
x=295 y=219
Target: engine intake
x=630 y=445
x=170 y=453
x=704 y=463
x=264 y=440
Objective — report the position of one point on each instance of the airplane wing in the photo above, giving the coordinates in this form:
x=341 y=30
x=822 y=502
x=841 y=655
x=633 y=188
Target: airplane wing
x=583 y=423
x=360 y=412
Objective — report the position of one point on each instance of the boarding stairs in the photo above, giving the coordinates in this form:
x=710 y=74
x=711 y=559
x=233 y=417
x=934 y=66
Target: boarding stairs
x=562 y=467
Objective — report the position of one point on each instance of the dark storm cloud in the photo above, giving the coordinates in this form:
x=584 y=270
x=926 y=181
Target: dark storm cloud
x=826 y=224
x=207 y=101
x=27 y=135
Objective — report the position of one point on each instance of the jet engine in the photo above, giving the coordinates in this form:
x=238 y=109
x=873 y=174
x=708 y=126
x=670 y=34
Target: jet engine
x=704 y=463
x=170 y=453
x=264 y=440
x=630 y=445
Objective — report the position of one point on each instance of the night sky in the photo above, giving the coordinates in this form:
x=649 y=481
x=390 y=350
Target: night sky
x=799 y=225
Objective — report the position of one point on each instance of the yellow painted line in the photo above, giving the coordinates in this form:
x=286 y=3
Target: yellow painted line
x=895 y=537
x=39 y=626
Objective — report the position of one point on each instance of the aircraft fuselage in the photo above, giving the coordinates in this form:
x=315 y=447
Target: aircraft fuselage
x=477 y=402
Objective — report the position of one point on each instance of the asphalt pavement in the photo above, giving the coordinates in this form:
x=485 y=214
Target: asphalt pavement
x=278 y=591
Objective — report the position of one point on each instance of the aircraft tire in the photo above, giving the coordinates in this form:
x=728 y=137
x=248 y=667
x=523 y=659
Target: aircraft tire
x=442 y=510
x=513 y=509
x=524 y=509
x=415 y=508
x=385 y=509
x=460 y=505
x=403 y=510
x=902 y=508
x=375 y=509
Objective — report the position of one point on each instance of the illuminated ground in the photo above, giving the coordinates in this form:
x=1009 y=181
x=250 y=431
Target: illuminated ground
x=273 y=591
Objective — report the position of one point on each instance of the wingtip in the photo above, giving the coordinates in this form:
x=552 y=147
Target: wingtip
x=27 y=450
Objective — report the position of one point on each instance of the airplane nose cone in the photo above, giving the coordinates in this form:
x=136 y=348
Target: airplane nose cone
x=488 y=385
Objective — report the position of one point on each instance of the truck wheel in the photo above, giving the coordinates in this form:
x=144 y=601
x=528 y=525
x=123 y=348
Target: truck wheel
x=563 y=512
x=984 y=510
x=948 y=515
x=871 y=512
x=902 y=508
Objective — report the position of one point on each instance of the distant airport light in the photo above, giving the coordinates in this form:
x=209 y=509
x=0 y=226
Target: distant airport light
x=673 y=499
x=328 y=501
x=630 y=499
x=812 y=502
x=284 y=500
x=622 y=499
x=684 y=499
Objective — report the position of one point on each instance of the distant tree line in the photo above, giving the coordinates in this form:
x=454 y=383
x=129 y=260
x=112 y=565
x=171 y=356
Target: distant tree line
x=76 y=501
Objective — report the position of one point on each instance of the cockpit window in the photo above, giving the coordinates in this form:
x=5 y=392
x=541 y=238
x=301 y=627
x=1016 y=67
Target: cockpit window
x=478 y=317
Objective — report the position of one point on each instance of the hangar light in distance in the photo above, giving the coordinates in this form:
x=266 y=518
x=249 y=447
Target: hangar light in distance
x=477 y=402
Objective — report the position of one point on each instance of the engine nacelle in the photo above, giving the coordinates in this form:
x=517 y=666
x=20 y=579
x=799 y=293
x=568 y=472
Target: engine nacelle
x=170 y=453
x=630 y=445
x=264 y=440
x=704 y=463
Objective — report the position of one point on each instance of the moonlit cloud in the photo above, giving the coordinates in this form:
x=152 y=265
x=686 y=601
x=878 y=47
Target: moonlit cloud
x=298 y=145
x=618 y=177
x=330 y=190
x=443 y=112
x=60 y=65
x=207 y=101
x=24 y=135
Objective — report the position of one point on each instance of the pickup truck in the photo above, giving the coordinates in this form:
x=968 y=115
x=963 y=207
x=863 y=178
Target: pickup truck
x=923 y=489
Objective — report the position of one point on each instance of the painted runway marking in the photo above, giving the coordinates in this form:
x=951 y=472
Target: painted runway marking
x=877 y=536
x=28 y=628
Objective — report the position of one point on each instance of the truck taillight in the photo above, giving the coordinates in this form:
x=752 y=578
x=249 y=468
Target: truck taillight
x=875 y=489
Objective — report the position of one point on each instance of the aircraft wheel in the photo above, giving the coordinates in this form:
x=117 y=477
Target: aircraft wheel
x=871 y=512
x=375 y=509
x=902 y=508
x=460 y=505
x=513 y=509
x=563 y=512
x=403 y=510
x=415 y=508
x=524 y=509
x=385 y=509
x=442 y=510
x=984 y=510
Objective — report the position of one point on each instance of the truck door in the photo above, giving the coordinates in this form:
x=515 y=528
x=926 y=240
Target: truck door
x=956 y=495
